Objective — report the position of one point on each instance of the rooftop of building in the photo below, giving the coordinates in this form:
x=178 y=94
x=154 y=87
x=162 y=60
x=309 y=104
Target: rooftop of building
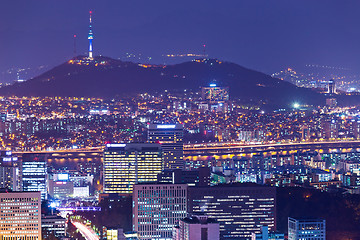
x=43 y=217
x=153 y=183
x=166 y=127
x=306 y=219
x=133 y=146
x=236 y=185
x=199 y=219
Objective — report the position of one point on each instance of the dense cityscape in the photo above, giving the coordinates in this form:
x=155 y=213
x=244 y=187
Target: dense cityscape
x=239 y=155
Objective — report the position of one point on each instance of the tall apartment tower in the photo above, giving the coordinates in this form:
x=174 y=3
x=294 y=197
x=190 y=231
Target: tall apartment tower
x=299 y=229
x=20 y=215
x=10 y=177
x=170 y=136
x=129 y=164
x=157 y=209
x=240 y=209
x=34 y=173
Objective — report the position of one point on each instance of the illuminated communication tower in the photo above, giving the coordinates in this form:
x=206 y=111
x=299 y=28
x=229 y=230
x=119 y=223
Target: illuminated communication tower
x=90 y=37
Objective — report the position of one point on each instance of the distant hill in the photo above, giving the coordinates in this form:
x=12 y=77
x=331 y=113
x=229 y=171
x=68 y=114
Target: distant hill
x=106 y=77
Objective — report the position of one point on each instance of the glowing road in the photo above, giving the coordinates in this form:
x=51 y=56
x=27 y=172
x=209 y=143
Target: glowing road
x=87 y=232
x=222 y=150
x=208 y=149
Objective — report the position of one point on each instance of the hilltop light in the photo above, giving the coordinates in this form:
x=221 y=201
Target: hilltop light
x=296 y=105
x=213 y=85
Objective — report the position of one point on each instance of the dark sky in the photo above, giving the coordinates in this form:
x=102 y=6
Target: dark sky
x=266 y=35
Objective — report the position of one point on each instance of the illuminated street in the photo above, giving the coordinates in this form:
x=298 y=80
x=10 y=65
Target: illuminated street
x=87 y=232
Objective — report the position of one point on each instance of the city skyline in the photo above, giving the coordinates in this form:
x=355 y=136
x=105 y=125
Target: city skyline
x=180 y=120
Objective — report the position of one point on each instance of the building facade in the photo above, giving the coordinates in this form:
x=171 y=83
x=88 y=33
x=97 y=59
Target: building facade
x=53 y=224
x=241 y=209
x=308 y=229
x=10 y=177
x=157 y=209
x=214 y=93
x=266 y=235
x=170 y=136
x=115 y=234
x=20 y=215
x=129 y=164
x=34 y=173
x=197 y=227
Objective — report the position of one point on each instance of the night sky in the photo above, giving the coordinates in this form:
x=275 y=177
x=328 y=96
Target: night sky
x=265 y=35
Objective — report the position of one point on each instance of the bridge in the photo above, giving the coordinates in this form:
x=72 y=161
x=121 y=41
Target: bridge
x=208 y=149
x=69 y=157
x=205 y=150
x=81 y=209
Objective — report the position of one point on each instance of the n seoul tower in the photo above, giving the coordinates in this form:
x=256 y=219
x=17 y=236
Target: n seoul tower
x=90 y=37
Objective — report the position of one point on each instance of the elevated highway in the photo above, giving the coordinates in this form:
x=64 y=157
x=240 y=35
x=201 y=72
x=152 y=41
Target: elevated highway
x=209 y=149
x=205 y=150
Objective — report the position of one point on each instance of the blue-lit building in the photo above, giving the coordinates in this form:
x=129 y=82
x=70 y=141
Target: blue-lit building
x=34 y=173
x=266 y=235
x=304 y=229
x=10 y=177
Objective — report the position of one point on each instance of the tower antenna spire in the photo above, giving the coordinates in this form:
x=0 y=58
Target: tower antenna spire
x=90 y=37
x=75 y=45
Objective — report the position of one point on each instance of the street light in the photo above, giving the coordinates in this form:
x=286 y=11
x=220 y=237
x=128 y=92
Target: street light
x=296 y=105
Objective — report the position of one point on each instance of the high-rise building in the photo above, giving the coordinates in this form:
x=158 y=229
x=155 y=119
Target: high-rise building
x=198 y=177
x=241 y=209
x=170 y=136
x=266 y=235
x=197 y=227
x=331 y=102
x=330 y=128
x=313 y=229
x=60 y=189
x=214 y=98
x=53 y=224
x=157 y=209
x=34 y=173
x=129 y=164
x=115 y=234
x=20 y=215
x=331 y=86
x=355 y=129
x=10 y=177
x=214 y=93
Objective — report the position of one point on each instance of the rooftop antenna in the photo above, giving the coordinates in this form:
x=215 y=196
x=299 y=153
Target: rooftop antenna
x=204 y=46
x=75 y=45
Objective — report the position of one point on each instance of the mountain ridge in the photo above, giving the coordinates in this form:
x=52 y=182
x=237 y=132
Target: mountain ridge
x=106 y=77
